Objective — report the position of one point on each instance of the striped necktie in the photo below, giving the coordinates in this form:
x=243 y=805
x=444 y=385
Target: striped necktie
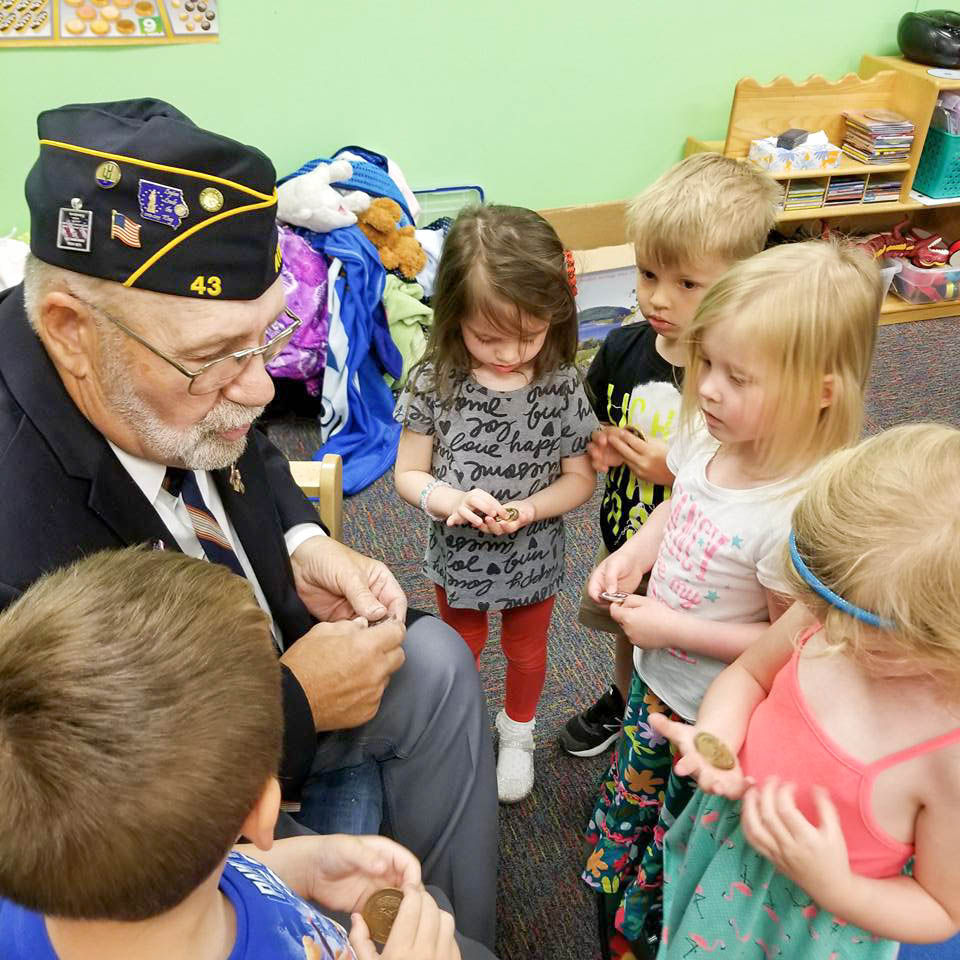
x=183 y=484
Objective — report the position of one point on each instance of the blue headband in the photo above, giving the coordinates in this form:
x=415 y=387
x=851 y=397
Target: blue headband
x=835 y=600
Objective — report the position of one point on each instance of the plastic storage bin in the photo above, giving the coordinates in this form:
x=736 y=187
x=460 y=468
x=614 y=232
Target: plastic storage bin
x=889 y=268
x=445 y=202
x=938 y=173
x=927 y=284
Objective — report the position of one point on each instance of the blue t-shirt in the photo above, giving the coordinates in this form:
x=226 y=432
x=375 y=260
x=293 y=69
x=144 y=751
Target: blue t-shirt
x=272 y=922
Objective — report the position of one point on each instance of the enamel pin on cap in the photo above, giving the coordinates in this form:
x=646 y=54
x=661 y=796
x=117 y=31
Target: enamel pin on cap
x=107 y=175
x=162 y=203
x=75 y=227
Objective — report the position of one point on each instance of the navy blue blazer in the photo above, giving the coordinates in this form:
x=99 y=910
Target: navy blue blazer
x=63 y=494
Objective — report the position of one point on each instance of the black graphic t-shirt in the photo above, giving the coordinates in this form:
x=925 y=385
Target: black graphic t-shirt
x=509 y=444
x=632 y=385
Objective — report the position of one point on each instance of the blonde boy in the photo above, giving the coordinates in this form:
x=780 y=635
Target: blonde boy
x=140 y=734
x=687 y=229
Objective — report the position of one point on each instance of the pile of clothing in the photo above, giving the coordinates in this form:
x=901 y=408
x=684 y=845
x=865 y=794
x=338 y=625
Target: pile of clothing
x=341 y=220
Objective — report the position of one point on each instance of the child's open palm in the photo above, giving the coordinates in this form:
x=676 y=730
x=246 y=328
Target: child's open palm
x=710 y=779
x=521 y=512
x=813 y=857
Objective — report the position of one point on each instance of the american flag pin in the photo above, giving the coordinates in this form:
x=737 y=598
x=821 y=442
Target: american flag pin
x=75 y=227
x=124 y=229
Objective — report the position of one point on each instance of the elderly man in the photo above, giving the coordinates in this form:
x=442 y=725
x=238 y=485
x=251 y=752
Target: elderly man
x=132 y=373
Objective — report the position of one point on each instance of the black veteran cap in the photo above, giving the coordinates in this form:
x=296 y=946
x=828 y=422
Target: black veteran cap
x=136 y=192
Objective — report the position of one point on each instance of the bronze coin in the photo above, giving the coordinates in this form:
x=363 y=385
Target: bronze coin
x=380 y=911
x=511 y=514
x=714 y=751
x=634 y=431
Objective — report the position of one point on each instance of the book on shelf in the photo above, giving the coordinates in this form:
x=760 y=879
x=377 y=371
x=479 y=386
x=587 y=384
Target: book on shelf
x=845 y=189
x=803 y=193
x=882 y=191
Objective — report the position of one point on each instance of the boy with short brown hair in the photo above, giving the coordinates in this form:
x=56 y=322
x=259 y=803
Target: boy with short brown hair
x=687 y=228
x=140 y=735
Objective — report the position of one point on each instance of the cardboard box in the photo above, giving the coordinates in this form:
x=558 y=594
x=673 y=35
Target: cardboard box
x=808 y=156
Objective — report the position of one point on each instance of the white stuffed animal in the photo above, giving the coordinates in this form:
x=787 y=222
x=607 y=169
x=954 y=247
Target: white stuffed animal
x=309 y=201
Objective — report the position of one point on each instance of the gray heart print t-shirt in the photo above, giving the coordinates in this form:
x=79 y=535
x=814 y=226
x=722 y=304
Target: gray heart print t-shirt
x=509 y=443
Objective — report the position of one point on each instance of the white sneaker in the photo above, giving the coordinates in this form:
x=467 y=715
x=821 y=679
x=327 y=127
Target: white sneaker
x=515 y=759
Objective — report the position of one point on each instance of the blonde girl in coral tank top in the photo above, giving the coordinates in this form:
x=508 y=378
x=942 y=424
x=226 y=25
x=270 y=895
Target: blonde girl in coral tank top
x=834 y=835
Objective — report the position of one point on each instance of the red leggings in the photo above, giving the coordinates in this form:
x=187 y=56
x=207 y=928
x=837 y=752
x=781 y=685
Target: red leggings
x=524 y=642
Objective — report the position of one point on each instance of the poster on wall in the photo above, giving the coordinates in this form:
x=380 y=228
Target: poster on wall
x=58 y=23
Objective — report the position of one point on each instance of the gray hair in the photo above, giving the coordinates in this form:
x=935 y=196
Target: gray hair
x=41 y=278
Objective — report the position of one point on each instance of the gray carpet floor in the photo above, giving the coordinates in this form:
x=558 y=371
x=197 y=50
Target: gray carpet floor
x=543 y=908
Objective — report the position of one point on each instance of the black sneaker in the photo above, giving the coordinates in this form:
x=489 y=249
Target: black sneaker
x=592 y=731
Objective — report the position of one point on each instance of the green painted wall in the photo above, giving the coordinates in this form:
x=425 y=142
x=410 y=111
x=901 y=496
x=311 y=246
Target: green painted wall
x=542 y=102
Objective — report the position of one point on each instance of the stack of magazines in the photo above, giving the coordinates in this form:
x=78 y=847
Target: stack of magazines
x=877 y=136
x=882 y=190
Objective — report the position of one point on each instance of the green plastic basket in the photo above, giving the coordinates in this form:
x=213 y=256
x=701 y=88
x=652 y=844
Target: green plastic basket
x=938 y=173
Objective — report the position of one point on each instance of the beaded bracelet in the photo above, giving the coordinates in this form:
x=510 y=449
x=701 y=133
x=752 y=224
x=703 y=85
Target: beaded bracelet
x=425 y=496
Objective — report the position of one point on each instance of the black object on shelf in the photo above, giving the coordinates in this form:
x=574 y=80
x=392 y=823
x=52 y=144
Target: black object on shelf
x=792 y=138
x=931 y=37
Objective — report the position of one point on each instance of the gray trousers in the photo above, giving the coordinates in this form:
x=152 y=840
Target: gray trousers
x=431 y=742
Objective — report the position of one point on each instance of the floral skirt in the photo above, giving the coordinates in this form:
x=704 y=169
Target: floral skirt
x=719 y=893
x=638 y=801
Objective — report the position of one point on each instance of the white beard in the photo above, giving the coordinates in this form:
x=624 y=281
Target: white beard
x=199 y=447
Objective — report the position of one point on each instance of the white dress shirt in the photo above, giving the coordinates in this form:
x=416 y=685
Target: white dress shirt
x=148 y=476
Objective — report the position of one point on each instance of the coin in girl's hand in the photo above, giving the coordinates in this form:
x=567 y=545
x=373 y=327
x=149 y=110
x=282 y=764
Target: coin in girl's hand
x=380 y=911
x=613 y=597
x=510 y=514
x=714 y=751
x=634 y=431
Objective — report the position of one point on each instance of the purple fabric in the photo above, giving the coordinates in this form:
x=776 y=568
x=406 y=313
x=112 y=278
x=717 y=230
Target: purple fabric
x=304 y=273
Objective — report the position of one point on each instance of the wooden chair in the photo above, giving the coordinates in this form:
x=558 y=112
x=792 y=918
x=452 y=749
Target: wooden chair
x=322 y=482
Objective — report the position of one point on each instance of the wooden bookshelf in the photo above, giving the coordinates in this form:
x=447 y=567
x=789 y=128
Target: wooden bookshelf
x=886 y=83
x=831 y=210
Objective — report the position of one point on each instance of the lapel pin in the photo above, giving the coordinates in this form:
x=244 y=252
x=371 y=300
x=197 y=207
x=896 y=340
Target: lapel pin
x=236 y=481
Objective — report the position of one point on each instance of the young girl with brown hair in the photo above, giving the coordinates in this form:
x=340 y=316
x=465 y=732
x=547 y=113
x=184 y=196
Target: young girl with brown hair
x=493 y=450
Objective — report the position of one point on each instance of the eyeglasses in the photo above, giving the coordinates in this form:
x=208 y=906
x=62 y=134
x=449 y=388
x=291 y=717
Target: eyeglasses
x=215 y=374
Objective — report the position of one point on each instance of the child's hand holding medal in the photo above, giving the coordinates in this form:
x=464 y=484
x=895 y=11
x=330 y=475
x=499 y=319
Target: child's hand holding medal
x=602 y=455
x=646 y=458
x=706 y=758
x=484 y=512
x=510 y=518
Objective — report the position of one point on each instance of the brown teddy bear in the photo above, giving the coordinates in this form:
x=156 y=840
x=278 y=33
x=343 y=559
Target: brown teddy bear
x=398 y=247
